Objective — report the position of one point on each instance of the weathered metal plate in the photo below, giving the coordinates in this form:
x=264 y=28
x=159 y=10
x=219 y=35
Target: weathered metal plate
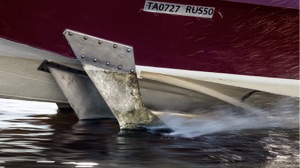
x=117 y=81
x=81 y=94
x=179 y=9
x=101 y=53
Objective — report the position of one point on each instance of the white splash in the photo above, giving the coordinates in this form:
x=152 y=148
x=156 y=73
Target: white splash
x=199 y=123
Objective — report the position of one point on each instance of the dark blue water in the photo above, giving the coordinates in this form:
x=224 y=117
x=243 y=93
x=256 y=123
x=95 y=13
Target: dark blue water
x=34 y=135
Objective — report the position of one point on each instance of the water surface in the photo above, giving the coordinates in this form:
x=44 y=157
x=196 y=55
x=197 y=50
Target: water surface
x=33 y=135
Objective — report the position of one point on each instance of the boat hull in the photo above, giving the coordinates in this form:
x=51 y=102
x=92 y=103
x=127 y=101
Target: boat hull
x=162 y=89
x=245 y=56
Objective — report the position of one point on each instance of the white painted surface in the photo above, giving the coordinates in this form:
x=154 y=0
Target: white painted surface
x=20 y=79
x=287 y=87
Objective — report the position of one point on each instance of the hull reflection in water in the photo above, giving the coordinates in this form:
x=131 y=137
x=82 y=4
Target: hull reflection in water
x=33 y=135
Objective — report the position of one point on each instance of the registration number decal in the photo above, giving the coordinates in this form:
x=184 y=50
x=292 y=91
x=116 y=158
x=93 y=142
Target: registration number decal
x=179 y=9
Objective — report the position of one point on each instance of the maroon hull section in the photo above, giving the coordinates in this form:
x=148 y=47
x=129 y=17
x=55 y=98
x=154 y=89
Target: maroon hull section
x=241 y=38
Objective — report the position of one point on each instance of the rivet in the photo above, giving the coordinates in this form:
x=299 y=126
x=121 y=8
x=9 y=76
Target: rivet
x=120 y=67
x=128 y=49
x=99 y=42
x=95 y=60
x=131 y=70
x=108 y=64
x=85 y=38
x=70 y=33
x=115 y=45
x=82 y=56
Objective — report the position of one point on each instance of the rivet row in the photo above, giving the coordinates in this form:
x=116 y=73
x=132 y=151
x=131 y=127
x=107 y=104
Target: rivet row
x=99 y=42
x=107 y=63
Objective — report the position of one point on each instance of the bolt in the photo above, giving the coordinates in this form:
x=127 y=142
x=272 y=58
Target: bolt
x=128 y=49
x=131 y=70
x=120 y=67
x=82 y=56
x=70 y=33
x=115 y=45
x=108 y=64
x=85 y=37
x=95 y=60
x=99 y=42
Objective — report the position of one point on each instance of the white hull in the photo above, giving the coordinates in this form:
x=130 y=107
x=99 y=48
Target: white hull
x=161 y=88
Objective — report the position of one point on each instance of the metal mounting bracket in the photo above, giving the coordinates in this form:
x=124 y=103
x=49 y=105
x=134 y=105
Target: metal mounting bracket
x=111 y=68
x=79 y=90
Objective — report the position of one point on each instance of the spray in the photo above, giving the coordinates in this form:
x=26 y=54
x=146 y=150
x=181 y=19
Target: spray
x=283 y=113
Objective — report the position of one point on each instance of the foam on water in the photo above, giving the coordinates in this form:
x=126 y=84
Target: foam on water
x=283 y=115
